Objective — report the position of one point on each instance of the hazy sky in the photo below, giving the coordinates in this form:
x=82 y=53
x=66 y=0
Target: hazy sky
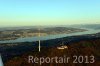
x=48 y=12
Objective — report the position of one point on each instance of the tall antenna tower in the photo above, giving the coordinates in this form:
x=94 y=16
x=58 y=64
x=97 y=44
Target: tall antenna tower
x=39 y=41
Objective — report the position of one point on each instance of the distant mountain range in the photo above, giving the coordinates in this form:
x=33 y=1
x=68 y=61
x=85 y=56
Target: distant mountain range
x=88 y=26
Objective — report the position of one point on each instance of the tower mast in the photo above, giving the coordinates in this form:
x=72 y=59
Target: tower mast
x=39 y=40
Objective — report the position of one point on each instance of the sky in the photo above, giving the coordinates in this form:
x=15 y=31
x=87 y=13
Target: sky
x=49 y=12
